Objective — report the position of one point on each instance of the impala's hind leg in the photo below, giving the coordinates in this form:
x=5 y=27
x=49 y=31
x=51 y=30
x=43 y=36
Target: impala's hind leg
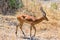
x=21 y=28
x=16 y=29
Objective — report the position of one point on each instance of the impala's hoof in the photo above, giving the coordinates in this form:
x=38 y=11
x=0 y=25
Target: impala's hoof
x=25 y=37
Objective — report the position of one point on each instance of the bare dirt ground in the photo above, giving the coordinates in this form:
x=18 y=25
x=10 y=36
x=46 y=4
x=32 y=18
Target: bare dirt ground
x=46 y=30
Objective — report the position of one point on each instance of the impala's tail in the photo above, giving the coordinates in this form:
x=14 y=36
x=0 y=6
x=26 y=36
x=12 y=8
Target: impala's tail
x=44 y=14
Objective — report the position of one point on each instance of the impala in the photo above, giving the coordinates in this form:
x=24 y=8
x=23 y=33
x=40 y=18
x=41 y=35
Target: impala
x=31 y=20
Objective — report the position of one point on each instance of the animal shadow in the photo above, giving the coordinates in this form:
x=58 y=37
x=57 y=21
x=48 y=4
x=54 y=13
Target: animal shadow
x=30 y=38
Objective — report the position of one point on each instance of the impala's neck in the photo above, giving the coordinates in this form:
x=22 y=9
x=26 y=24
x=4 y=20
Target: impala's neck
x=42 y=18
x=38 y=20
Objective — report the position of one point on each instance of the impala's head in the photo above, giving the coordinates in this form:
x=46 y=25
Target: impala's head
x=45 y=18
x=44 y=14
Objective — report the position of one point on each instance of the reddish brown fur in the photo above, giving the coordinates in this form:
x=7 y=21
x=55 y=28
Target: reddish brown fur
x=31 y=20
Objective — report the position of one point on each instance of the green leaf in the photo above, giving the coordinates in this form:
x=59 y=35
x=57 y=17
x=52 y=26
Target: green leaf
x=54 y=5
x=14 y=3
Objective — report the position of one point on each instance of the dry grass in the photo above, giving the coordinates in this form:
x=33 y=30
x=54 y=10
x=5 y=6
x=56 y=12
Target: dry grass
x=46 y=30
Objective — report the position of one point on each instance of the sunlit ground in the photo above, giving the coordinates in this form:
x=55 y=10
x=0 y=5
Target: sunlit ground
x=46 y=30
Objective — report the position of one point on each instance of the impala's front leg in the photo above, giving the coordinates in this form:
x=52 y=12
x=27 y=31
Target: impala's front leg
x=32 y=26
x=30 y=30
x=34 y=29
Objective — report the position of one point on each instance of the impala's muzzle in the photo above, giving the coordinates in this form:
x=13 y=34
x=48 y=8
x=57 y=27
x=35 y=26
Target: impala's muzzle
x=46 y=18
